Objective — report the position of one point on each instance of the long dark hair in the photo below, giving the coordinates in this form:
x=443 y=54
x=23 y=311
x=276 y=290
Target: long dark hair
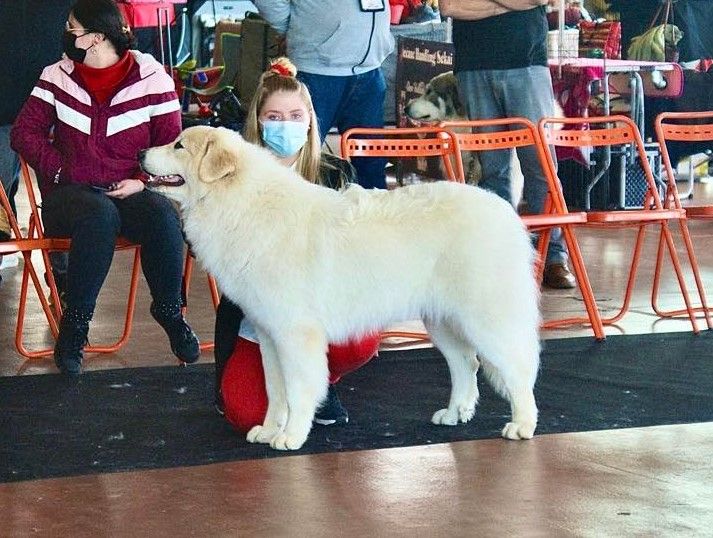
x=103 y=16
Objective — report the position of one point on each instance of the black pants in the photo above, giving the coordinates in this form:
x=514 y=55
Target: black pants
x=93 y=221
x=227 y=326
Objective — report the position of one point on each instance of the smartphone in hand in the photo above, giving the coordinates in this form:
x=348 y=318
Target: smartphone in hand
x=103 y=188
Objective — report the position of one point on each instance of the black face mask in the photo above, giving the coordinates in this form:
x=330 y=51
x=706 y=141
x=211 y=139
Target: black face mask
x=72 y=51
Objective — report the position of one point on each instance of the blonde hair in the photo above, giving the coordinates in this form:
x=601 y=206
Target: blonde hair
x=280 y=77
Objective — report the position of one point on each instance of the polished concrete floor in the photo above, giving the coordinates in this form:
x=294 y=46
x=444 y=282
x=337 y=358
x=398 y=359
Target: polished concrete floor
x=642 y=482
x=634 y=482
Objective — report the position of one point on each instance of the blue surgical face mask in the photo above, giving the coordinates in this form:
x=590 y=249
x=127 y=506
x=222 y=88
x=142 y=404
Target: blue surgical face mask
x=284 y=138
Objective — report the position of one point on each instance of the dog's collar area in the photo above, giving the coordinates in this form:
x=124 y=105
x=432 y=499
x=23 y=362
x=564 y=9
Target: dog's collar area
x=166 y=181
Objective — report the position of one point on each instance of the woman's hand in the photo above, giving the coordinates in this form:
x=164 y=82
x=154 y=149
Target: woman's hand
x=125 y=188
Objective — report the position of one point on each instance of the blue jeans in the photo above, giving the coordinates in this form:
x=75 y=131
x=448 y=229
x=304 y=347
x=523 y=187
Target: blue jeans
x=351 y=101
x=93 y=221
x=9 y=165
x=527 y=93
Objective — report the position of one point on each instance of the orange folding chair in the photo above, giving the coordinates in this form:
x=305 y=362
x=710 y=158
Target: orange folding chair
x=512 y=133
x=619 y=131
x=25 y=246
x=404 y=143
x=682 y=127
x=36 y=232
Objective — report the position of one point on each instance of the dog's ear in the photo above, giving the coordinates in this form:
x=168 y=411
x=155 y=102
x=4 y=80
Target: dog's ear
x=455 y=96
x=216 y=163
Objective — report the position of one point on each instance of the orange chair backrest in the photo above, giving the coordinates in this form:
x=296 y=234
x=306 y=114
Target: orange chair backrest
x=680 y=127
x=508 y=133
x=602 y=131
x=602 y=136
x=404 y=142
x=669 y=126
x=503 y=133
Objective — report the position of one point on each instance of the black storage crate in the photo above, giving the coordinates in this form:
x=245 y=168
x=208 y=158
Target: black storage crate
x=628 y=179
x=575 y=177
x=622 y=186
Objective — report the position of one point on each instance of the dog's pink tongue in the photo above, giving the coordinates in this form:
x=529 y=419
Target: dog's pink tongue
x=168 y=180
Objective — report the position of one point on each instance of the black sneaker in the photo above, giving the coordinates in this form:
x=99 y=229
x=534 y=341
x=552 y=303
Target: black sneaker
x=184 y=342
x=331 y=412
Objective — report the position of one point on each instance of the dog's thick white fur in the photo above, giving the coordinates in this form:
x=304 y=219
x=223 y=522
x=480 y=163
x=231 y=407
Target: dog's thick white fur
x=310 y=265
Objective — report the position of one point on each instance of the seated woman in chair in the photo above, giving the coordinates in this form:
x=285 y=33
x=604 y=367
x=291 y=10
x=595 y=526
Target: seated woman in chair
x=281 y=118
x=103 y=103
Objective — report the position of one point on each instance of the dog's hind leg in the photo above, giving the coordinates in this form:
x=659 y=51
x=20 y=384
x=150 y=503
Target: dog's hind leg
x=303 y=361
x=276 y=416
x=463 y=365
x=510 y=363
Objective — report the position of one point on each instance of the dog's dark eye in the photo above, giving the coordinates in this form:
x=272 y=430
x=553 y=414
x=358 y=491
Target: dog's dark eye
x=178 y=145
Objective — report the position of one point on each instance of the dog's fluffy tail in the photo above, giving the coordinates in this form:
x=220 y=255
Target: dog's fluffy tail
x=494 y=374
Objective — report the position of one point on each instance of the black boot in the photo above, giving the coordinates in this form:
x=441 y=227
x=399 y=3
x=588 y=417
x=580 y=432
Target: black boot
x=69 y=348
x=184 y=342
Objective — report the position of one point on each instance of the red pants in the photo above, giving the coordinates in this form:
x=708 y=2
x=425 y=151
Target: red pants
x=243 y=385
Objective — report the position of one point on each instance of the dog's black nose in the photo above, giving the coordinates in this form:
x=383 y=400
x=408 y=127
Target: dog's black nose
x=141 y=155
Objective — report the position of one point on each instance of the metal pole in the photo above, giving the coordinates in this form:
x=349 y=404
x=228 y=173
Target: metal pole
x=160 y=34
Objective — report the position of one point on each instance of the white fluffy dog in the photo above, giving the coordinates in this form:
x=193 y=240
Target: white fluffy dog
x=309 y=266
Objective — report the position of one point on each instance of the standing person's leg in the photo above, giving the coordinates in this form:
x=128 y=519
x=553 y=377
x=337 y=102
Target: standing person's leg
x=528 y=93
x=480 y=91
x=92 y=222
x=59 y=262
x=8 y=176
x=326 y=93
x=363 y=106
x=151 y=220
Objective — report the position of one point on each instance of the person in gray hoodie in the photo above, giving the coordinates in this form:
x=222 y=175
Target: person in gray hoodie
x=338 y=47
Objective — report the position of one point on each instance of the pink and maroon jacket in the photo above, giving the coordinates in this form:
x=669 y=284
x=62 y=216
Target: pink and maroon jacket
x=95 y=143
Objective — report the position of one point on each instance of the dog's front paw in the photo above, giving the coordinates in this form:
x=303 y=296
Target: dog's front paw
x=445 y=417
x=451 y=417
x=283 y=441
x=465 y=414
x=262 y=434
x=517 y=431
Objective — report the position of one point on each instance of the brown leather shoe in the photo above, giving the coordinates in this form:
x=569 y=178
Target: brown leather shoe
x=559 y=277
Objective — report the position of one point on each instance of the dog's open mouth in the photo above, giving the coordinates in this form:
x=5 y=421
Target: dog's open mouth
x=423 y=121
x=166 y=181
